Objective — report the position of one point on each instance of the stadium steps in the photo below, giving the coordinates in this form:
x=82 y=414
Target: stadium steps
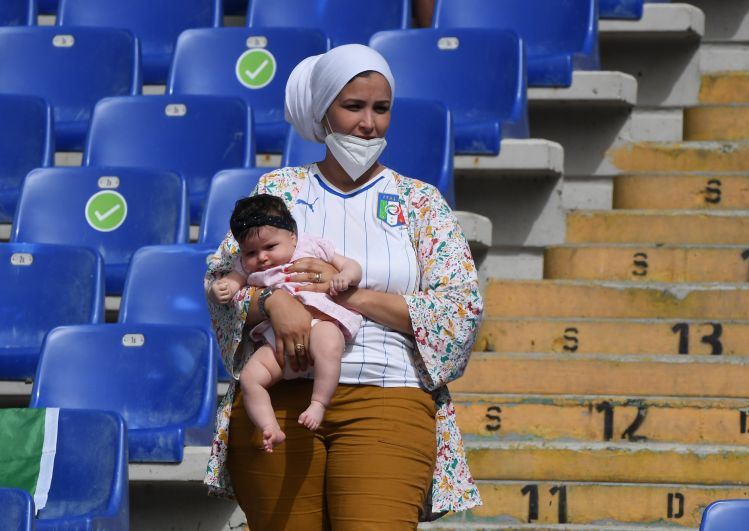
x=612 y=394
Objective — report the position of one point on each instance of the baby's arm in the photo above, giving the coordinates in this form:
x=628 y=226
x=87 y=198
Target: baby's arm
x=223 y=289
x=349 y=274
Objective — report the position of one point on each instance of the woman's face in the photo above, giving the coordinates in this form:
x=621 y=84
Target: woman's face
x=362 y=108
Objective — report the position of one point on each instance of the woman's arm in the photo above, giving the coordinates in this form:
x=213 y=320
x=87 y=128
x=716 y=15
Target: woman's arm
x=389 y=309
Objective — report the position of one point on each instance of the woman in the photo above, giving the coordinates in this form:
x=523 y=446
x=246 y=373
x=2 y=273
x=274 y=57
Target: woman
x=373 y=463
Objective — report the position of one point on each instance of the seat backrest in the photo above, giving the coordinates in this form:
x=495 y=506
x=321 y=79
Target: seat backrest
x=113 y=210
x=160 y=378
x=26 y=142
x=226 y=187
x=250 y=63
x=726 y=515
x=629 y=9
x=156 y=24
x=71 y=68
x=344 y=21
x=18 y=13
x=44 y=286
x=419 y=60
x=419 y=144
x=194 y=135
x=17 y=510
x=546 y=26
x=90 y=477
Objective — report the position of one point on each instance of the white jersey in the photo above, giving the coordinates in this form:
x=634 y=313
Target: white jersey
x=368 y=226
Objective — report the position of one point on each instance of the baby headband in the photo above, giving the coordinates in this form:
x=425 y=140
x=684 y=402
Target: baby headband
x=238 y=226
x=316 y=81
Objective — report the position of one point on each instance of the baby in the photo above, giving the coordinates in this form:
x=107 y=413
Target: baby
x=268 y=242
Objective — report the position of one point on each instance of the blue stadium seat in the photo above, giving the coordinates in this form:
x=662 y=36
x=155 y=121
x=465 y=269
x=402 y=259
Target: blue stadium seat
x=18 y=13
x=160 y=378
x=726 y=515
x=44 y=286
x=48 y=7
x=164 y=285
x=89 y=490
x=559 y=37
x=227 y=186
x=344 y=21
x=71 y=68
x=408 y=151
x=18 y=510
x=207 y=61
x=483 y=112
x=194 y=135
x=156 y=24
x=28 y=118
x=114 y=210
x=235 y=7
x=626 y=9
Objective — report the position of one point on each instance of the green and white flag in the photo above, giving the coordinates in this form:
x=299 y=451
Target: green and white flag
x=28 y=443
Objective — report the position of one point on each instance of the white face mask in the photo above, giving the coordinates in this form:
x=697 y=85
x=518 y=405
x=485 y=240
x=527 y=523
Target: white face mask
x=355 y=155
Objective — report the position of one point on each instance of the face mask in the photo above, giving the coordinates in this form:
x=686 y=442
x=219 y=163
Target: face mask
x=355 y=155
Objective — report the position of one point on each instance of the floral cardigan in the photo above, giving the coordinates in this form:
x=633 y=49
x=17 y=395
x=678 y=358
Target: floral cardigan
x=445 y=313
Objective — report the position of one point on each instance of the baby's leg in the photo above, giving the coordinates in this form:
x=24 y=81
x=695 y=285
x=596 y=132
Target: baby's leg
x=326 y=348
x=259 y=373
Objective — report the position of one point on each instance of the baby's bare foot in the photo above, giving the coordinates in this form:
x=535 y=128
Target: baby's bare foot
x=272 y=437
x=312 y=416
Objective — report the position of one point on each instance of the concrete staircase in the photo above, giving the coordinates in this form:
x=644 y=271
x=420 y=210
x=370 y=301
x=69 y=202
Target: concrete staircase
x=614 y=393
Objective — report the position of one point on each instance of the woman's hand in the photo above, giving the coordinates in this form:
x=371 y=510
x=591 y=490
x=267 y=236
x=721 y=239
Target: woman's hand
x=314 y=272
x=291 y=322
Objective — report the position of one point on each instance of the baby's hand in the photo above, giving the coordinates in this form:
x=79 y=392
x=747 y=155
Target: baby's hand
x=338 y=284
x=220 y=292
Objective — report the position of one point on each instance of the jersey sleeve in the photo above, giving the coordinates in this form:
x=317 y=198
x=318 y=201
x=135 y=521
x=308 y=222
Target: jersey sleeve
x=446 y=311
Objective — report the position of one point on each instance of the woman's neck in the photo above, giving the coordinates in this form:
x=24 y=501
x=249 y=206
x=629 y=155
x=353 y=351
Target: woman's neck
x=337 y=176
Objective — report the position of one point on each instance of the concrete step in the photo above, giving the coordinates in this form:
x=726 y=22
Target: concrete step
x=658 y=157
x=652 y=226
x=717 y=122
x=453 y=525
x=685 y=191
x=725 y=87
x=609 y=462
x=604 y=374
x=614 y=336
x=643 y=263
x=502 y=417
x=589 y=504
x=575 y=299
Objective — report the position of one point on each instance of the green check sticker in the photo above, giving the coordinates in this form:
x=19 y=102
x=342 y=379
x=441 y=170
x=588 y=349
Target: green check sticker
x=256 y=68
x=106 y=210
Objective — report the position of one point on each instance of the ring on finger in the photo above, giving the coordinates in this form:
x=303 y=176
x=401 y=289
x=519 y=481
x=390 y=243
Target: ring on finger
x=299 y=348
x=317 y=278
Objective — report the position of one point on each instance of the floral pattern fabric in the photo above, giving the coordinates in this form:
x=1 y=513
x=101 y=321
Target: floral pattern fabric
x=445 y=313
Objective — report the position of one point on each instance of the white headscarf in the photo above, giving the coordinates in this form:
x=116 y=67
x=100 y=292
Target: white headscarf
x=316 y=81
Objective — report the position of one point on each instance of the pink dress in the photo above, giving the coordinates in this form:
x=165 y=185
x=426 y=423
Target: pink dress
x=307 y=246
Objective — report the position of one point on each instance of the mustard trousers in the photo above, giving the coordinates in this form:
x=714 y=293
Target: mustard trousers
x=367 y=468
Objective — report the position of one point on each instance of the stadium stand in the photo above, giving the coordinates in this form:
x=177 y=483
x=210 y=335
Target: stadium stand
x=113 y=210
x=156 y=24
x=89 y=489
x=44 y=286
x=18 y=510
x=72 y=69
x=160 y=378
x=164 y=285
x=558 y=37
x=18 y=13
x=196 y=136
x=29 y=118
x=250 y=63
x=226 y=187
x=726 y=515
x=344 y=21
x=483 y=113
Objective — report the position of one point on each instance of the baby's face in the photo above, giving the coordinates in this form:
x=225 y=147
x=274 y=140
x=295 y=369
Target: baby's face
x=270 y=247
